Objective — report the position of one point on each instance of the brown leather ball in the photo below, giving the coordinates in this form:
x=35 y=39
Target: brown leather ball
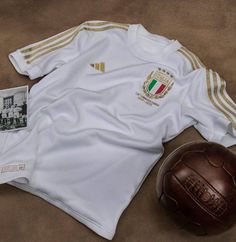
x=197 y=182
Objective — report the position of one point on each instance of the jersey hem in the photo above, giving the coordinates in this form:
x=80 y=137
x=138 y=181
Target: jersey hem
x=19 y=171
x=97 y=228
x=226 y=139
x=18 y=62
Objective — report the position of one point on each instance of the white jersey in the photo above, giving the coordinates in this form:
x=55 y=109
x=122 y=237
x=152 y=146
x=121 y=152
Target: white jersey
x=112 y=95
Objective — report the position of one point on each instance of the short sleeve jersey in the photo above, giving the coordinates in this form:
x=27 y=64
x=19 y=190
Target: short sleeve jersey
x=110 y=96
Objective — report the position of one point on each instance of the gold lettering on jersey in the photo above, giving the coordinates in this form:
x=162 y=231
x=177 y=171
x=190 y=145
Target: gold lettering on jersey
x=146 y=100
x=158 y=83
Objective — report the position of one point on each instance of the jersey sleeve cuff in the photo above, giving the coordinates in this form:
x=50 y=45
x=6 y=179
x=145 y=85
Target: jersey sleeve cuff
x=226 y=140
x=228 y=137
x=17 y=60
x=222 y=133
x=19 y=172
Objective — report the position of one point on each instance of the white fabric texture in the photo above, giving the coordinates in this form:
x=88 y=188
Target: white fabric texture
x=94 y=134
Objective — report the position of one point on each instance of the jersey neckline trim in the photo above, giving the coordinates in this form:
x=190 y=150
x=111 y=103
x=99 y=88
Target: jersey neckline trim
x=139 y=40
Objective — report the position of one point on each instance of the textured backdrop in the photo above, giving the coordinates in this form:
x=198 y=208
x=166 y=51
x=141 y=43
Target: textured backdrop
x=208 y=28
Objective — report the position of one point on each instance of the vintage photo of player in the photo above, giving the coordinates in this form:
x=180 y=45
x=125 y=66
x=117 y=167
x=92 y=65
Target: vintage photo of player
x=13 y=108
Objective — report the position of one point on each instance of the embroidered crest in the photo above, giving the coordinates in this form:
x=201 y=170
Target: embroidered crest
x=158 y=83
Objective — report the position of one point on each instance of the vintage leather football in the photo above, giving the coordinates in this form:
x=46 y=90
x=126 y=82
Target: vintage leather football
x=197 y=182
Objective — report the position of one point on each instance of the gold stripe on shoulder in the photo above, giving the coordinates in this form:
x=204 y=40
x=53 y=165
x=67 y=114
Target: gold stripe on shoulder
x=188 y=57
x=45 y=42
x=234 y=126
x=210 y=95
x=106 y=28
x=223 y=106
x=61 y=43
x=225 y=96
x=196 y=59
x=200 y=62
x=34 y=56
x=100 y=23
x=192 y=58
x=209 y=91
x=209 y=85
x=70 y=37
x=73 y=31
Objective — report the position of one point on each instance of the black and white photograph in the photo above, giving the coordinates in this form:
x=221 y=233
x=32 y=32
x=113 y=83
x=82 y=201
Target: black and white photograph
x=13 y=108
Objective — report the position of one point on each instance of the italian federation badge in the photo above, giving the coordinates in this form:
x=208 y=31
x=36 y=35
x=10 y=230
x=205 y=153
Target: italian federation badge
x=158 y=83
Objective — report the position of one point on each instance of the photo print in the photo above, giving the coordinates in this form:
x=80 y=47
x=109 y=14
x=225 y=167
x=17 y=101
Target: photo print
x=13 y=108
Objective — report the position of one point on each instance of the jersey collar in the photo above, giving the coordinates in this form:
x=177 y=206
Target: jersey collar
x=148 y=46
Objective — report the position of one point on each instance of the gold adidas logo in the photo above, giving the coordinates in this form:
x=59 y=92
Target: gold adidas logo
x=99 y=66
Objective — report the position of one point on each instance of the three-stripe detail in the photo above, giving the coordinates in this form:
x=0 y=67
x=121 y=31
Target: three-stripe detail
x=99 y=66
x=216 y=89
x=192 y=58
x=65 y=38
